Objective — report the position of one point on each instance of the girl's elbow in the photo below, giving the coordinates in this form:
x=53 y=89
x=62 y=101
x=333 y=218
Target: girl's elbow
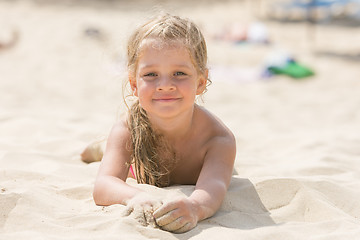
x=98 y=194
x=97 y=197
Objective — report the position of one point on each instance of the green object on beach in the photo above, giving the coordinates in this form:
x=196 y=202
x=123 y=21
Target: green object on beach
x=292 y=69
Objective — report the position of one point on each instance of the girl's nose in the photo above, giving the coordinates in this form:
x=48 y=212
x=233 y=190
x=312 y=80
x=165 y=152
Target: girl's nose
x=165 y=84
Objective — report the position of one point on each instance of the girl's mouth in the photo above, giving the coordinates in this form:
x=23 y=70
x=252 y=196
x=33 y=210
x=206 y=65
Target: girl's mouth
x=166 y=99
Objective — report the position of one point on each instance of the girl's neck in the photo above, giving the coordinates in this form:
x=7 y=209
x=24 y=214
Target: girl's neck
x=177 y=128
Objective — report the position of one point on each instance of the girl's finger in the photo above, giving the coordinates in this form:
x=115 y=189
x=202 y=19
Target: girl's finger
x=175 y=225
x=156 y=205
x=164 y=209
x=167 y=218
x=185 y=228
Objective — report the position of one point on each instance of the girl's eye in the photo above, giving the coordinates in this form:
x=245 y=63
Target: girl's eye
x=180 y=74
x=150 y=75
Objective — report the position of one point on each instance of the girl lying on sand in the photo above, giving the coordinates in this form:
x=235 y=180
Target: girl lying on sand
x=167 y=139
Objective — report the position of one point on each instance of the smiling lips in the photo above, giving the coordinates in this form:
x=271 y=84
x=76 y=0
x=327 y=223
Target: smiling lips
x=166 y=99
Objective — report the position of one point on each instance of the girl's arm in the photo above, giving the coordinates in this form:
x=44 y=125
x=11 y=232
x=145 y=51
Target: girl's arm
x=110 y=187
x=183 y=214
x=215 y=177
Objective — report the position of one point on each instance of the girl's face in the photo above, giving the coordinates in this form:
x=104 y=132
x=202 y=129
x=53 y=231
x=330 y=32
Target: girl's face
x=166 y=80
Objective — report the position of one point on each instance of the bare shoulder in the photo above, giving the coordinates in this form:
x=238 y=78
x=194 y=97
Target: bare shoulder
x=119 y=138
x=120 y=129
x=220 y=142
x=220 y=150
x=216 y=129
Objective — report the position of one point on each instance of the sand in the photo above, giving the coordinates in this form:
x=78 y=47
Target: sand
x=298 y=142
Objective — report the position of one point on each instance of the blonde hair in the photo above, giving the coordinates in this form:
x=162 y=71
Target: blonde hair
x=152 y=155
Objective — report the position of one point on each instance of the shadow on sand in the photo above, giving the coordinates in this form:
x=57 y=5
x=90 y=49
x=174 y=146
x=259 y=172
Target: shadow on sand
x=242 y=209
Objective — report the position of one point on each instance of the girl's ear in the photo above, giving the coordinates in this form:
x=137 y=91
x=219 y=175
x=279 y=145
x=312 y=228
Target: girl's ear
x=133 y=86
x=202 y=82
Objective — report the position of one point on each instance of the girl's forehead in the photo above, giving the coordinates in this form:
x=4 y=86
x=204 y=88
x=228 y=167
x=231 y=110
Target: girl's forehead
x=151 y=46
x=160 y=44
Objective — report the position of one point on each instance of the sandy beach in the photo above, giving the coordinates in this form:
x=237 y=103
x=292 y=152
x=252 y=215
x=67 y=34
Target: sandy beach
x=297 y=171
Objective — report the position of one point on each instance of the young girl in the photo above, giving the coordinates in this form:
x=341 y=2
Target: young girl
x=167 y=139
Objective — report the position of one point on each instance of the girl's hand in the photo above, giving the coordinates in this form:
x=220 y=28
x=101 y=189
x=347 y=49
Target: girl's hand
x=142 y=207
x=177 y=216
